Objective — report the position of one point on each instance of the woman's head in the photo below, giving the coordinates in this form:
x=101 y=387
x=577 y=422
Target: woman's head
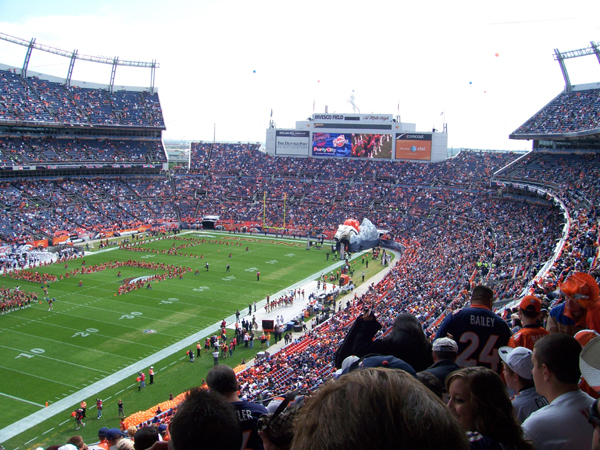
x=479 y=400
x=376 y=408
x=409 y=343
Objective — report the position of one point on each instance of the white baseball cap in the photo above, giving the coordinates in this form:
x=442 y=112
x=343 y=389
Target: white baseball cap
x=589 y=364
x=519 y=360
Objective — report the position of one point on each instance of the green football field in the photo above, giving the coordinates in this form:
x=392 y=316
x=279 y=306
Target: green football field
x=94 y=335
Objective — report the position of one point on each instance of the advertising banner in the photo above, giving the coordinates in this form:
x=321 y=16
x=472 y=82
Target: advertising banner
x=292 y=142
x=415 y=146
x=332 y=144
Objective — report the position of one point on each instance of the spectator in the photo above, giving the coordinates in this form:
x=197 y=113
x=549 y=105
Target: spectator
x=517 y=366
x=583 y=289
x=144 y=438
x=445 y=351
x=382 y=408
x=478 y=399
x=77 y=441
x=405 y=341
x=103 y=443
x=113 y=437
x=477 y=330
x=205 y=420
x=221 y=379
x=556 y=375
x=529 y=312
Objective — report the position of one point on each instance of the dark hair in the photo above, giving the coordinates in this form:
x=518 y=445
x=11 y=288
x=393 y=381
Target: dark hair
x=222 y=379
x=482 y=295
x=376 y=408
x=529 y=314
x=492 y=409
x=205 y=420
x=431 y=382
x=408 y=342
x=446 y=355
x=144 y=438
x=560 y=352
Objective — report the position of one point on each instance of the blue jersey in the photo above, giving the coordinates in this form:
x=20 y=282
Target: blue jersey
x=558 y=312
x=479 y=334
x=248 y=414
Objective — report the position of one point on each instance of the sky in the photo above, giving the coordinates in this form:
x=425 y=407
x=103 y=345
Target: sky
x=482 y=67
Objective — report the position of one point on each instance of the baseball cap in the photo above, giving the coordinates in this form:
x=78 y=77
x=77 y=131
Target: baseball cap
x=102 y=432
x=125 y=444
x=162 y=427
x=445 y=344
x=582 y=288
x=113 y=434
x=531 y=303
x=345 y=364
x=589 y=364
x=518 y=359
x=387 y=362
x=585 y=336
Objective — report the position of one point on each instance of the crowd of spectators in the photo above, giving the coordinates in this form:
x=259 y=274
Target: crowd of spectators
x=32 y=100
x=25 y=150
x=456 y=230
x=569 y=112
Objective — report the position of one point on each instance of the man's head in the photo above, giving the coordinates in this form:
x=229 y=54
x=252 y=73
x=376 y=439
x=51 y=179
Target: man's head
x=556 y=363
x=203 y=420
x=530 y=307
x=517 y=367
x=102 y=433
x=582 y=288
x=482 y=295
x=113 y=436
x=444 y=348
x=222 y=379
x=144 y=438
x=382 y=408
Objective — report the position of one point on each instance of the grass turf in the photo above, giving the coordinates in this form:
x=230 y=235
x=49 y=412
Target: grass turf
x=92 y=333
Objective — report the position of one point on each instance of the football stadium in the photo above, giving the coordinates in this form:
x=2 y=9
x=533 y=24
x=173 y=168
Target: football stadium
x=337 y=262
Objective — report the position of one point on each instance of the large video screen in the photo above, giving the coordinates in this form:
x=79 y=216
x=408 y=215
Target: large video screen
x=352 y=145
x=332 y=144
x=415 y=146
x=372 y=146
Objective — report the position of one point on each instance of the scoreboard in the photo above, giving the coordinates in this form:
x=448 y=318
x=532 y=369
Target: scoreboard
x=374 y=136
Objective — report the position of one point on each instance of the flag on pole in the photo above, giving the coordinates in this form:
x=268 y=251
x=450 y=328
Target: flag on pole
x=442 y=113
x=271 y=113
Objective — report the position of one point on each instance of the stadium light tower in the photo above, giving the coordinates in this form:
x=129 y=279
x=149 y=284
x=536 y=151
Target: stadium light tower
x=73 y=56
x=560 y=57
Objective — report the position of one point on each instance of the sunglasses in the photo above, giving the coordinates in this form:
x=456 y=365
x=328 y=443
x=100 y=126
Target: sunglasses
x=594 y=416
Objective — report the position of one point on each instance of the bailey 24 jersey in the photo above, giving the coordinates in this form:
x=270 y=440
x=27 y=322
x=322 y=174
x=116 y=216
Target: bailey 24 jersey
x=479 y=334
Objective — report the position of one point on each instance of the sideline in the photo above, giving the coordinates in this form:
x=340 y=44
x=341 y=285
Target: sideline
x=14 y=429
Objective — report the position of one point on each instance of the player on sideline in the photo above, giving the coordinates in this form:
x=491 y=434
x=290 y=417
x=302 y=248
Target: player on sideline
x=478 y=331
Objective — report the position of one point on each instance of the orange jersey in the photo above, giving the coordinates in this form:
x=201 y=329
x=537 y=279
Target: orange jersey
x=527 y=336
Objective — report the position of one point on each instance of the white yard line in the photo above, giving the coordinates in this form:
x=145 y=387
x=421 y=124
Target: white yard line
x=21 y=400
x=59 y=360
x=37 y=376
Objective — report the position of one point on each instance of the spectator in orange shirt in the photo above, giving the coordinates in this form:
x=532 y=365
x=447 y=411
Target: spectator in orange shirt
x=530 y=310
